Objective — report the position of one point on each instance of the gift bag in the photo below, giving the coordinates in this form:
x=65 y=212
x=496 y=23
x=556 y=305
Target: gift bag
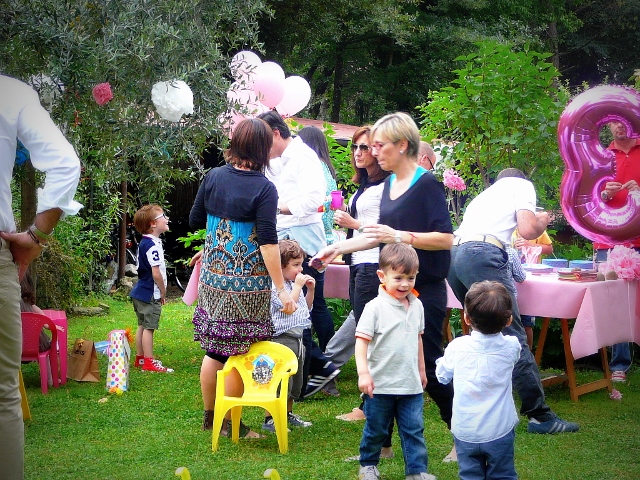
x=83 y=362
x=119 y=354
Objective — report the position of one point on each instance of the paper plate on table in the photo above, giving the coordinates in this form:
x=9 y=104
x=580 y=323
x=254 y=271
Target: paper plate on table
x=537 y=268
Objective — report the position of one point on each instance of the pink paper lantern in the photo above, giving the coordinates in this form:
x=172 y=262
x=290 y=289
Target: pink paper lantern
x=102 y=93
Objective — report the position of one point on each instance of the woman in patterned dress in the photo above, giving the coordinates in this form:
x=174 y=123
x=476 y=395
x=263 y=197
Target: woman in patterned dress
x=240 y=259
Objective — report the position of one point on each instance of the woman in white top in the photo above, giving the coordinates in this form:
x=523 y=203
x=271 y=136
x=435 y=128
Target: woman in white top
x=363 y=209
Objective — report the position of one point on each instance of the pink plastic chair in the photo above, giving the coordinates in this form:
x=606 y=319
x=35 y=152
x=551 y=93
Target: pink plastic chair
x=32 y=325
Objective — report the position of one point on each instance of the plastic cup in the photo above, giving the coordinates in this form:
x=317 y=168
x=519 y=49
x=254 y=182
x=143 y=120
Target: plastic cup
x=336 y=199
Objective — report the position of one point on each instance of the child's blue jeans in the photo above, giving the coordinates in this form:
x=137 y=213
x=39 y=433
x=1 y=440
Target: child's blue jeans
x=407 y=410
x=489 y=460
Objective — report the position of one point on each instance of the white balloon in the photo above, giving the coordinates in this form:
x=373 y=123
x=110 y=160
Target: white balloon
x=297 y=94
x=243 y=66
x=268 y=83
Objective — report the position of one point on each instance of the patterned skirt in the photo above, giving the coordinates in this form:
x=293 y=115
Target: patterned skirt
x=234 y=290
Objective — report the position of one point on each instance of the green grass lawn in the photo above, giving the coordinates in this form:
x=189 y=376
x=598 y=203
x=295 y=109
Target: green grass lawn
x=155 y=427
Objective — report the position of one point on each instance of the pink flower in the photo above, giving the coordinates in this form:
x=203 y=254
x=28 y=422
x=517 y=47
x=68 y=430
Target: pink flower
x=624 y=261
x=102 y=93
x=452 y=180
x=615 y=395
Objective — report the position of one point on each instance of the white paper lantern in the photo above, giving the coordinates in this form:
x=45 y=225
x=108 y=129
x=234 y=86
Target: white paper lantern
x=172 y=99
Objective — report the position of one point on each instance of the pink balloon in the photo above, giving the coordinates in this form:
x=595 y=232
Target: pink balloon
x=243 y=66
x=268 y=83
x=589 y=165
x=297 y=94
x=230 y=120
x=239 y=96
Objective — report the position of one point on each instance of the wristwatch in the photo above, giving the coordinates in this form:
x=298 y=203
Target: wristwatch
x=398 y=236
x=278 y=211
x=604 y=196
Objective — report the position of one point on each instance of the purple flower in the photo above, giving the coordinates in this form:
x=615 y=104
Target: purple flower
x=453 y=181
x=102 y=93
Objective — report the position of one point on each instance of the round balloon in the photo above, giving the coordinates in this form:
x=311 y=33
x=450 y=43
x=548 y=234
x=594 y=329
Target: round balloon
x=589 y=165
x=297 y=94
x=243 y=66
x=268 y=83
x=240 y=97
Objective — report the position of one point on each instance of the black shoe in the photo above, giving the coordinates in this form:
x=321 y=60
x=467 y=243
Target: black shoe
x=316 y=382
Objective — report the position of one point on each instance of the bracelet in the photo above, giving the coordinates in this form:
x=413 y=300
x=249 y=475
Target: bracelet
x=413 y=237
x=40 y=233
x=36 y=240
x=280 y=290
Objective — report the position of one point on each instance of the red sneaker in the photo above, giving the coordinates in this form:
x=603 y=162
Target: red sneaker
x=139 y=363
x=153 y=365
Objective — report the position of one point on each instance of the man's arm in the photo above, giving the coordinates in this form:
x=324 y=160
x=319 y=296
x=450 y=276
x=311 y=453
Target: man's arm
x=531 y=225
x=26 y=246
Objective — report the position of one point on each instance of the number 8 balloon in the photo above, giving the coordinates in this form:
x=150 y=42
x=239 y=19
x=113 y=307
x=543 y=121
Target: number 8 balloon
x=589 y=165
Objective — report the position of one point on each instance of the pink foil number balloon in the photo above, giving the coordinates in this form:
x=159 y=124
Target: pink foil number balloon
x=589 y=165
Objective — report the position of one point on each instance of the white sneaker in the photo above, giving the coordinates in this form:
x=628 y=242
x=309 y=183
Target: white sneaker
x=421 y=476
x=370 y=472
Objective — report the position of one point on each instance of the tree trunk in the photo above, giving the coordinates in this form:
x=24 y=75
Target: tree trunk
x=338 y=77
x=27 y=196
x=122 y=240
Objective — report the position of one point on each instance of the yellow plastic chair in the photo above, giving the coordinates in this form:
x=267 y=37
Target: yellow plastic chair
x=264 y=368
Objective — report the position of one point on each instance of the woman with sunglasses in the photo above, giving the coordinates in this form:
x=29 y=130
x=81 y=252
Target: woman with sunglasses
x=413 y=210
x=363 y=209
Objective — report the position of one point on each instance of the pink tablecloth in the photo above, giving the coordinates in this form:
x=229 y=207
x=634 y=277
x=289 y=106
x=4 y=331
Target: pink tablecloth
x=606 y=313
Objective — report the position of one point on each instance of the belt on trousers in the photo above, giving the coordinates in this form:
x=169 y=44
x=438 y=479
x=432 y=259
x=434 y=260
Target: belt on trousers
x=479 y=238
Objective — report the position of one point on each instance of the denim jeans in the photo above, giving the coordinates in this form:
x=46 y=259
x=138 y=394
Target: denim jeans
x=407 y=410
x=363 y=286
x=620 y=357
x=320 y=315
x=477 y=261
x=489 y=460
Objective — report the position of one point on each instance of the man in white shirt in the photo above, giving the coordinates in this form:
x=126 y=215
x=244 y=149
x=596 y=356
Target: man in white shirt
x=426 y=156
x=22 y=117
x=297 y=173
x=479 y=253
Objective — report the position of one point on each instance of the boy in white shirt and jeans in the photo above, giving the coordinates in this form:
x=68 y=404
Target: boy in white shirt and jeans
x=390 y=362
x=481 y=365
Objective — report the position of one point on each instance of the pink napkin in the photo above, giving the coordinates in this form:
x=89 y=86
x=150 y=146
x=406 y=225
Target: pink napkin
x=531 y=254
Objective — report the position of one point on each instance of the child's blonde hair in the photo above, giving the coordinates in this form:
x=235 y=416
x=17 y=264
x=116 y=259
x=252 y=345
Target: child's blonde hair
x=144 y=216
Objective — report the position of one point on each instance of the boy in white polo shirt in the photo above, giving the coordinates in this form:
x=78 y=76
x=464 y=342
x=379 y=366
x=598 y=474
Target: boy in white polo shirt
x=390 y=363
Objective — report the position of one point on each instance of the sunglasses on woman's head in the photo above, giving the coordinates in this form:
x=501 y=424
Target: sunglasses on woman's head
x=363 y=147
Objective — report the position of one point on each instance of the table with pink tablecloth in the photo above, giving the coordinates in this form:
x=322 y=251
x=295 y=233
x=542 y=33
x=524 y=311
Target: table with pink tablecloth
x=606 y=312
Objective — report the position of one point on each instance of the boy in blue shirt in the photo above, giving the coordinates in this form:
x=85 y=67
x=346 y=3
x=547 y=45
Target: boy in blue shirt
x=481 y=365
x=148 y=294
x=390 y=362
